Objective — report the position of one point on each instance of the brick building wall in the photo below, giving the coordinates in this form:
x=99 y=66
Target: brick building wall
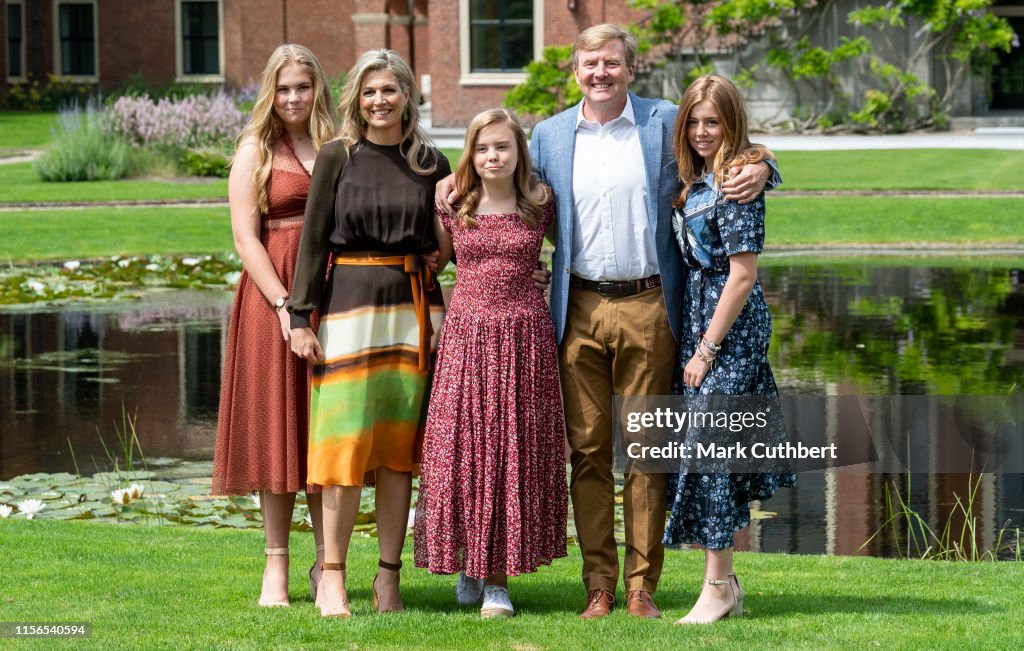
x=455 y=103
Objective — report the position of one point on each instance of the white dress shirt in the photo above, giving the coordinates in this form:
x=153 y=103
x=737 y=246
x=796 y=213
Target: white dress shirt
x=611 y=235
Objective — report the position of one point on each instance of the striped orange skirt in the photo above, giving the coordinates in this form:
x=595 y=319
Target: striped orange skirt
x=368 y=401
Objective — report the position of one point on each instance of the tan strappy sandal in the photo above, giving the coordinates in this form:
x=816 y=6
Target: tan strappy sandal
x=275 y=551
x=313 y=584
x=343 y=612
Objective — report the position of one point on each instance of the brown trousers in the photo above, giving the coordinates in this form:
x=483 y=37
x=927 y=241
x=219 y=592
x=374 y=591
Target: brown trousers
x=620 y=346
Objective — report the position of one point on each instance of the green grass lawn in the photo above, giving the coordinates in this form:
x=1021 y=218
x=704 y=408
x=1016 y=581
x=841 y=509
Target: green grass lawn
x=95 y=232
x=911 y=169
x=19 y=183
x=177 y=587
x=832 y=222
x=843 y=221
x=25 y=129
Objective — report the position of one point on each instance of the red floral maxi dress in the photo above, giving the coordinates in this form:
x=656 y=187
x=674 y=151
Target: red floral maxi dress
x=493 y=489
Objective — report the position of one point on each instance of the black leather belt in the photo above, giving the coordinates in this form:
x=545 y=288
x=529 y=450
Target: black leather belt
x=615 y=288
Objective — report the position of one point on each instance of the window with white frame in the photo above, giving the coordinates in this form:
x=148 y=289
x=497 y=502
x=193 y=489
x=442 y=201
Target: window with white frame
x=76 y=39
x=200 y=40
x=498 y=38
x=15 y=21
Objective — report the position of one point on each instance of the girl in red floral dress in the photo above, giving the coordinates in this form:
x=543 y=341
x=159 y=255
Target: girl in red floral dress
x=492 y=500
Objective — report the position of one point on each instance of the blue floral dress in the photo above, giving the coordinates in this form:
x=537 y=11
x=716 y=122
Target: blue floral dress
x=707 y=509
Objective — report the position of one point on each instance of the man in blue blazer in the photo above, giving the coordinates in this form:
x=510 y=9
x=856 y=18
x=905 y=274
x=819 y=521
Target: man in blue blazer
x=616 y=297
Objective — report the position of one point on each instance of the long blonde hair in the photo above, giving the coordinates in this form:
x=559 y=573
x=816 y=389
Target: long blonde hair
x=265 y=126
x=736 y=149
x=416 y=146
x=531 y=194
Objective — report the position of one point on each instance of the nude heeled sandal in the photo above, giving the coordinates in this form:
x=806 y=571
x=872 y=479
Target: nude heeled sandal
x=339 y=614
x=733 y=582
x=312 y=584
x=275 y=551
x=394 y=567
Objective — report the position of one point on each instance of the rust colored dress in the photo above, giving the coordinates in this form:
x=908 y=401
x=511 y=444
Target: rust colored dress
x=263 y=423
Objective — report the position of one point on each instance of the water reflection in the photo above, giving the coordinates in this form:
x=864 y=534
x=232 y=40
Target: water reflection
x=66 y=373
x=845 y=328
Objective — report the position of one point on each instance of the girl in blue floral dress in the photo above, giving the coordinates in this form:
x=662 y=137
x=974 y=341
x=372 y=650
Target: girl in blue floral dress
x=726 y=328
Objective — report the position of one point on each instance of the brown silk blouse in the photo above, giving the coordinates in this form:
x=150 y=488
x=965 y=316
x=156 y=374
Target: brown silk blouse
x=377 y=204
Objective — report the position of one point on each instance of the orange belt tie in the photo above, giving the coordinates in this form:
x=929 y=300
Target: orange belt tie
x=422 y=279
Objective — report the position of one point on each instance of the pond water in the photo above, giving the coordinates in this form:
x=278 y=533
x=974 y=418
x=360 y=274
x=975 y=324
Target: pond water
x=68 y=374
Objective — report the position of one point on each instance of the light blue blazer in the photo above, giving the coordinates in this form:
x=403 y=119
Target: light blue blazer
x=552 y=148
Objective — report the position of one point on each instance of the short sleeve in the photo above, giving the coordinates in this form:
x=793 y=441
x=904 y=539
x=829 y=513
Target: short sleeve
x=741 y=227
x=445 y=217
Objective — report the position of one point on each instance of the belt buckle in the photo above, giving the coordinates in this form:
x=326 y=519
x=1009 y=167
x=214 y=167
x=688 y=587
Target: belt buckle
x=609 y=288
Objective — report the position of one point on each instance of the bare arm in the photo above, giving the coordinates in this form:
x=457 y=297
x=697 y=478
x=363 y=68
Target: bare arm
x=742 y=276
x=444 y=244
x=245 y=228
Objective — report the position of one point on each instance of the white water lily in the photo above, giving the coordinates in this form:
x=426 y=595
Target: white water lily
x=36 y=286
x=124 y=263
x=152 y=267
x=135 y=491
x=232 y=277
x=30 y=507
x=5 y=511
x=120 y=496
x=72 y=265
x=190 y=262
x=256 y=500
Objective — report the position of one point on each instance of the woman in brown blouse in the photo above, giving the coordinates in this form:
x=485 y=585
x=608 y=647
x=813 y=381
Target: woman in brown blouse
x=369 y=221
x=262 y=427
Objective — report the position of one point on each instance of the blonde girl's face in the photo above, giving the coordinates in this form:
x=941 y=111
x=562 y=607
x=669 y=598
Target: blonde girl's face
x=293 y=96
x=495 y=154
x=381 y=102
x=704 y=132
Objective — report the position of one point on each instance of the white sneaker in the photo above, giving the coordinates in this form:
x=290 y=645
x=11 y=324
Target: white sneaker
x=468 y=590
x=496 y=603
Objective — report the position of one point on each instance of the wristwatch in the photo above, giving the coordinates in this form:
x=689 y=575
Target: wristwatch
x=279 y=303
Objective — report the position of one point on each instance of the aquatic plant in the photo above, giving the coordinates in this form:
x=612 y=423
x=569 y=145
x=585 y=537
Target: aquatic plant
x=30 y=507
x=949 y=543
x=5 y=511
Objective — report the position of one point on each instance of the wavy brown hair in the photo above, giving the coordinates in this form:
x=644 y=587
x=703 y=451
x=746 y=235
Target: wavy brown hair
x=531 y=194
x=736 y=149
x=265 y=127
x=416 y=146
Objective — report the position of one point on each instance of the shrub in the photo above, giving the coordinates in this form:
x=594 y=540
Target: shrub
x=83 y=149
x=190 y=122
x=35 y=96
x=204 y=162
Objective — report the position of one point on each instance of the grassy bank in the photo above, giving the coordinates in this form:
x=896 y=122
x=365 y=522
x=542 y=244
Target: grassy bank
x=844 y=221
x=907 y=169
x=20 y=184
x=182 y=588
x=96 y=232
x=832 y=222
x=25 y=129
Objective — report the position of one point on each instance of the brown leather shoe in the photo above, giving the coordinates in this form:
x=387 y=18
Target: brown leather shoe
x=599 y=603
x=640 y=604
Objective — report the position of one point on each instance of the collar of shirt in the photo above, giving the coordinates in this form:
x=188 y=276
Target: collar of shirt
x=627 y=115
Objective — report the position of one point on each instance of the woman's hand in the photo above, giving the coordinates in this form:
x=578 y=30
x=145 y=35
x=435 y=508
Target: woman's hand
x=283 y=319
x=444 y=194
x=430 y=259
x=695 y=371
x=305 y=345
